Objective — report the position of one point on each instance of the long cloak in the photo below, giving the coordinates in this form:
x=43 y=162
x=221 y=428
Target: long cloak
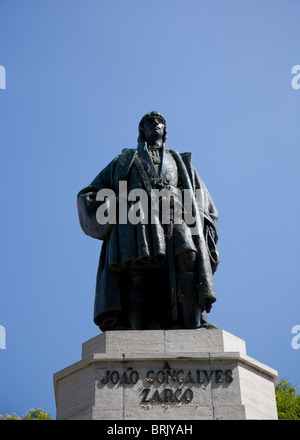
x=149 y=239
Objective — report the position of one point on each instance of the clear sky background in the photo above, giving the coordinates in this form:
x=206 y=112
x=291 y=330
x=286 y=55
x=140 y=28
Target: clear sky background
x=80 y=74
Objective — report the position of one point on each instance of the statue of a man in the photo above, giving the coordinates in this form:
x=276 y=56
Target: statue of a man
x=157 y=259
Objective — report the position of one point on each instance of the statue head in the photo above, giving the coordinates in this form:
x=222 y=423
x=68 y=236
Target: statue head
x=155 y=115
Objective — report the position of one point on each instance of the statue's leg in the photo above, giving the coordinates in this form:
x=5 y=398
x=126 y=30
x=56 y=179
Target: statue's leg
x=159 y=311
x=136 y=315
x=138 y=299
x=187 y=293
x=187 y=299
x=149 y=298
x=193 y=314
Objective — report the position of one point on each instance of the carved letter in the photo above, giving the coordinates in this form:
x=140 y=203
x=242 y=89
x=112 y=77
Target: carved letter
x=228 y=376
x=145 y=391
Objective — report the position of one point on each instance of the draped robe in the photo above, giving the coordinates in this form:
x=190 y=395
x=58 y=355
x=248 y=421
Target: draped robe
x=145 y=244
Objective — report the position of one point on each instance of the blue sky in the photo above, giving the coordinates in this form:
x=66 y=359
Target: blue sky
x=80 y=75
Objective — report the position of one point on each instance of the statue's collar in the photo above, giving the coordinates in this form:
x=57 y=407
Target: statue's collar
x=142 y=146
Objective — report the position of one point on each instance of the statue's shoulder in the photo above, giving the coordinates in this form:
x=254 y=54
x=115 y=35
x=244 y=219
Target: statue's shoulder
x=186 y=154
x=124 y=162
x=185 y=157
x=182 y=155
x=127 y=156
x=128 y=152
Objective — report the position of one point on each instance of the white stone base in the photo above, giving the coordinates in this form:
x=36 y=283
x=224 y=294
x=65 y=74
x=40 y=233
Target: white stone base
x=165 y=375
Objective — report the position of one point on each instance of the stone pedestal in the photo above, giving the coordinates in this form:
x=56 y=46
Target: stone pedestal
x=165 y=375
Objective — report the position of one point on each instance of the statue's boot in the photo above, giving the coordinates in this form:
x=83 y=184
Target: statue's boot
x=113 y=320
x=204 y=322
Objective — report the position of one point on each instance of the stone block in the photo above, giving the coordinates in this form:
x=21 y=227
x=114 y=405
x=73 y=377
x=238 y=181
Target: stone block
x=165 y=375
x=160 y=341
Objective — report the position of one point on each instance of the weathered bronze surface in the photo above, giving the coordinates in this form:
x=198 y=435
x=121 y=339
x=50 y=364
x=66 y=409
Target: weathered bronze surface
x=153 y=273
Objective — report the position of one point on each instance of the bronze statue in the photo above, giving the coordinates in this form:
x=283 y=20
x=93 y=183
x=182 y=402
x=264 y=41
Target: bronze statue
x=159 y=237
